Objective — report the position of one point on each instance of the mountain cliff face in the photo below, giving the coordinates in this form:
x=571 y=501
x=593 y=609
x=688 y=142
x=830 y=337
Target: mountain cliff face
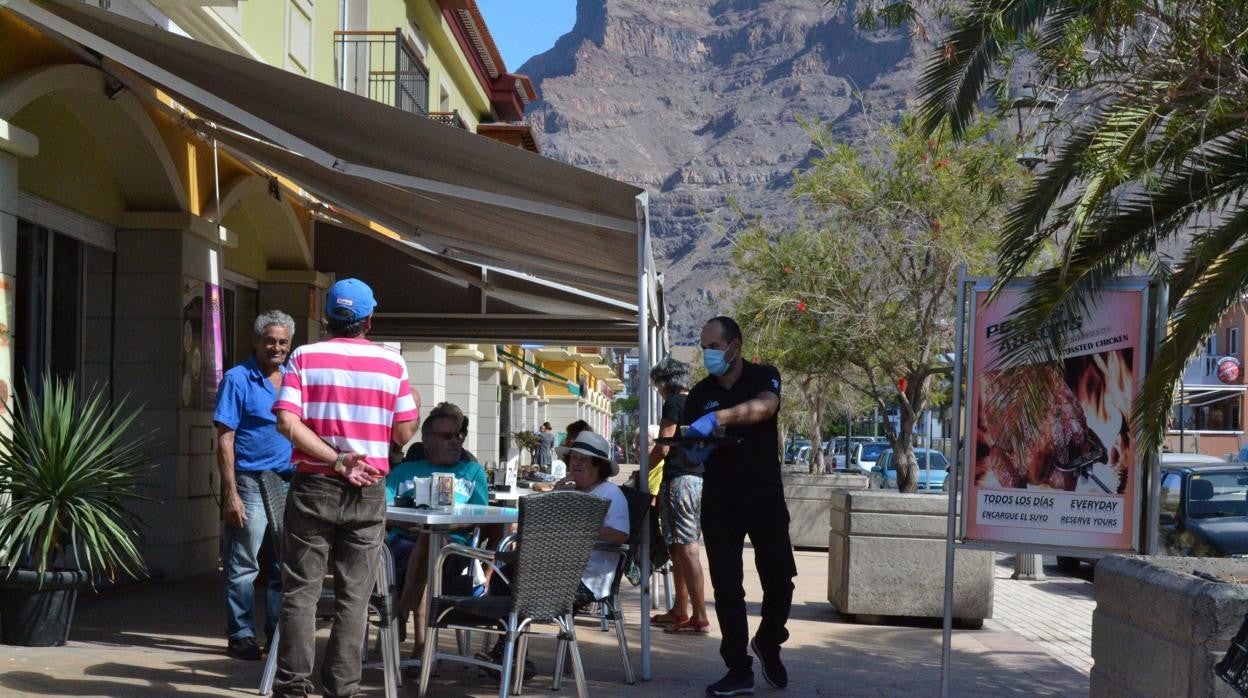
x=699 y=101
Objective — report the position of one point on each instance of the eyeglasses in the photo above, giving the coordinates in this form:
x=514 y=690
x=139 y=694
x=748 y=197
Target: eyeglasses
x=448 y=435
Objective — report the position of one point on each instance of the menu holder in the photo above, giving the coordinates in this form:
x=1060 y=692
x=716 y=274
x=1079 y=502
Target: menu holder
x=442 y=493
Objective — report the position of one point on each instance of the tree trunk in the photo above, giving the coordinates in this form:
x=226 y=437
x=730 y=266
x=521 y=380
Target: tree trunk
x=903 y=455
x=816 y=437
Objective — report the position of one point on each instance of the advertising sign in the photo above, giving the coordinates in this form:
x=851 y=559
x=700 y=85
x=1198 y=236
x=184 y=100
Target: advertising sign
x=1070 y=478
x=202 y=352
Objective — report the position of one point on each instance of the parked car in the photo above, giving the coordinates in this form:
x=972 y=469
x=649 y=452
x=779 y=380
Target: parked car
x=792 y=447
x=834 y=449
x=931 y=480
x=1181 y=533
x=1204 y=510
x=863 y=456
x=803 y=456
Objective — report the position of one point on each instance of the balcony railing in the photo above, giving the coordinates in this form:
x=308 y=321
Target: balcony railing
x=450 y=118
x=384 y=66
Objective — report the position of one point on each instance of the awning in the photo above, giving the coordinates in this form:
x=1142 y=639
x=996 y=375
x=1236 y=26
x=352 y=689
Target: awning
x=422 y=297
x=1200 y=395
x=449 y=190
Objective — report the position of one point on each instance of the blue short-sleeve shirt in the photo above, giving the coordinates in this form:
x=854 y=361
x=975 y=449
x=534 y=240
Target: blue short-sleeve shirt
x=245 y=406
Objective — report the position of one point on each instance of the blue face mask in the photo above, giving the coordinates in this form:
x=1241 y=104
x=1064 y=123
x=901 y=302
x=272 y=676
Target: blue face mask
x=716 y=361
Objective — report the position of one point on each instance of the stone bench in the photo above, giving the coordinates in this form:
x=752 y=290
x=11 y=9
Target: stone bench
x=809 y=498
x=1158 y=630
x=886 y=557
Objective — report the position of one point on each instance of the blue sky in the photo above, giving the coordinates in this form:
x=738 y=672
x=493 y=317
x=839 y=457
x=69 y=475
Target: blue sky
x=525 y=28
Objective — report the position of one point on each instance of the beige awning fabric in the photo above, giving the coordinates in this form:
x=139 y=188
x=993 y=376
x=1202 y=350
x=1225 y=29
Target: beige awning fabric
x=446 y=189
x=421 y=297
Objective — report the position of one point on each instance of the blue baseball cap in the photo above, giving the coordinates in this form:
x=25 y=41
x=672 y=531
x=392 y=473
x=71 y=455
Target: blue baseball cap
x=350 y=300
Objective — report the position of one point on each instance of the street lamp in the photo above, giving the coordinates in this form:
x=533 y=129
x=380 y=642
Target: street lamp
x=1035 y=112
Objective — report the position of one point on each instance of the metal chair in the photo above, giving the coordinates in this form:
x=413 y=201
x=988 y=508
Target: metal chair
x=384 y=606
x=557 y=531
x=611 y=610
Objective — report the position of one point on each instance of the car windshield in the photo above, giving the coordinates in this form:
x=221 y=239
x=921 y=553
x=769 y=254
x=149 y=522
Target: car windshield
x=1218 y=494
x=872 y=451
x=920 y=457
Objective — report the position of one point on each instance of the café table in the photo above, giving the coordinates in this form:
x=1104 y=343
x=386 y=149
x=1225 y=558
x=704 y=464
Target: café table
x=437 y=522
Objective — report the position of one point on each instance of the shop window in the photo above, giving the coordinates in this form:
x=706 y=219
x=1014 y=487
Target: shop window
x=49 y=312
x=238 y=311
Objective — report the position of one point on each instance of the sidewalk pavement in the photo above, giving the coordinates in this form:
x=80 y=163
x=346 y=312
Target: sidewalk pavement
x=168 y=639
x=1054 y=613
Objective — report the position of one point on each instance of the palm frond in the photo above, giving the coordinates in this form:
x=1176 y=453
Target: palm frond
x=955 y=76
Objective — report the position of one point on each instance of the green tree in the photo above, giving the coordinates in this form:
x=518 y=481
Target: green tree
x=1153 y=162
x=862 y=289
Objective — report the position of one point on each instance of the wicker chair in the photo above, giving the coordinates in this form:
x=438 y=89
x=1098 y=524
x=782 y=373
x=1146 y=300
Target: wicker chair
x=557 y=533
x=612 y=613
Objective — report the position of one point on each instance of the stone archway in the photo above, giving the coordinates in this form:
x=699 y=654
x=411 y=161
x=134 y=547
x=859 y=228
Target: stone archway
x=127 y=139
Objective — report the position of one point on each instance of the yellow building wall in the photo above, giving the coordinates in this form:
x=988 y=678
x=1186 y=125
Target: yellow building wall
x=71 y=169
x=264 y=27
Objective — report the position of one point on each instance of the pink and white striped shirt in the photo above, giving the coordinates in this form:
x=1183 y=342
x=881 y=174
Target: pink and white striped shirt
x=350 y=392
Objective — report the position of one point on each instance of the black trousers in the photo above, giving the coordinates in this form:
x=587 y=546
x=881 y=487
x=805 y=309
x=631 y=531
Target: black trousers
x=727 y=518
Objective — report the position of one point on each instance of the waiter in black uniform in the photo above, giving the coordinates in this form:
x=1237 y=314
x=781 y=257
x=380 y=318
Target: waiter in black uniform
x=742 y=494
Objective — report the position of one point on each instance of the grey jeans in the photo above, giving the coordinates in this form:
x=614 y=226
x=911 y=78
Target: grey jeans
x=327 y=518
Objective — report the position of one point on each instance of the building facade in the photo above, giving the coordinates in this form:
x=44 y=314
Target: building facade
x=135 y=250
x=1210 y=405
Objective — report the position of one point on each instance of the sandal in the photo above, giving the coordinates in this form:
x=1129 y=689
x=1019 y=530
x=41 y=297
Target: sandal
x=689 y=627
x=668 y=618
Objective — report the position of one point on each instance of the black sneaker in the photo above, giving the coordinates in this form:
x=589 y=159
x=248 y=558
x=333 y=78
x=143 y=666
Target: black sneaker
x=774 y=672
x=243 y=648
x=733 y=684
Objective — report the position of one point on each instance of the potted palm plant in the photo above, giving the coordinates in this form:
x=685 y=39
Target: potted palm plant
x=68 y=472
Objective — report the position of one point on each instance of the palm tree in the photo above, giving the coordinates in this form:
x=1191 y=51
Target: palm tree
x=1152 y=172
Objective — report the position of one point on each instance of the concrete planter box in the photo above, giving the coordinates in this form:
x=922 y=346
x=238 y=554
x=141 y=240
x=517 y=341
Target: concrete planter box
x=886 y=557
x=810 y=501
x=1158 y=630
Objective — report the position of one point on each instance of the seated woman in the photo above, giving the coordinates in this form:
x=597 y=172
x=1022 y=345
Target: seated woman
x=442 y=433
x=589 y=465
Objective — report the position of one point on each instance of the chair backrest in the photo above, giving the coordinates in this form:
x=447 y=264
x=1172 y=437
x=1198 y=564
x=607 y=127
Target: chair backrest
x=638 y=504
x=638 y=510
x=557 y=534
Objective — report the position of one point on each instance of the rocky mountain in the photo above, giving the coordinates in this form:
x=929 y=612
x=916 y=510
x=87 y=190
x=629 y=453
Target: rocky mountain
x=701 y=103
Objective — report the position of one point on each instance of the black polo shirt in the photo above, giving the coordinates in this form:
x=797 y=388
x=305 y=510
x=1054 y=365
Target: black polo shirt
x=755 y=463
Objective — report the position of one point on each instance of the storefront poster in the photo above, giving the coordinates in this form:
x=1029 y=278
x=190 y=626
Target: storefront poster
x=202 y=355
x=1072 y=478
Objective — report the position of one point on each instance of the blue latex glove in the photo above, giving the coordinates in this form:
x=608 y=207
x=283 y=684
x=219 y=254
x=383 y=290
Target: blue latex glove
x=703 y=426
x=698 y=456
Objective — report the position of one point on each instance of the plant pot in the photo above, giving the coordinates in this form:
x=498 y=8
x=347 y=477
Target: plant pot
x=34 y=614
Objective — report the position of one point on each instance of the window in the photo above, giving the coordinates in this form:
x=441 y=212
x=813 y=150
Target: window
x=50 y=315
x=1232 y=341
x=1211 y=345
x=1170 y=494
x=299 y=36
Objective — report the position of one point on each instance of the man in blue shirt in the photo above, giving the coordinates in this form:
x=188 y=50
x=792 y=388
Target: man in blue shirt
x=248 y=444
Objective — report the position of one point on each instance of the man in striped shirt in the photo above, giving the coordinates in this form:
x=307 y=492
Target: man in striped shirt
x=343 y=402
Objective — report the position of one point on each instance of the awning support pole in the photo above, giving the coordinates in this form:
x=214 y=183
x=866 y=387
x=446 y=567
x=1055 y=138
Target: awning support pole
x=643 y=412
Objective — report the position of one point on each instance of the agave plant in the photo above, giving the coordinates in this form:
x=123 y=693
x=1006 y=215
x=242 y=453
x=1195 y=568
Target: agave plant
x=69 y=471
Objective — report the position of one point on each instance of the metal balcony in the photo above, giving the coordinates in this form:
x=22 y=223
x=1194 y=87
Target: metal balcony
x=450 y=118
x=383 y=66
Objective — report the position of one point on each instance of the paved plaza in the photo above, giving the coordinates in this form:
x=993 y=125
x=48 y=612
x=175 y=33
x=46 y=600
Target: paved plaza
x=167 y=639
